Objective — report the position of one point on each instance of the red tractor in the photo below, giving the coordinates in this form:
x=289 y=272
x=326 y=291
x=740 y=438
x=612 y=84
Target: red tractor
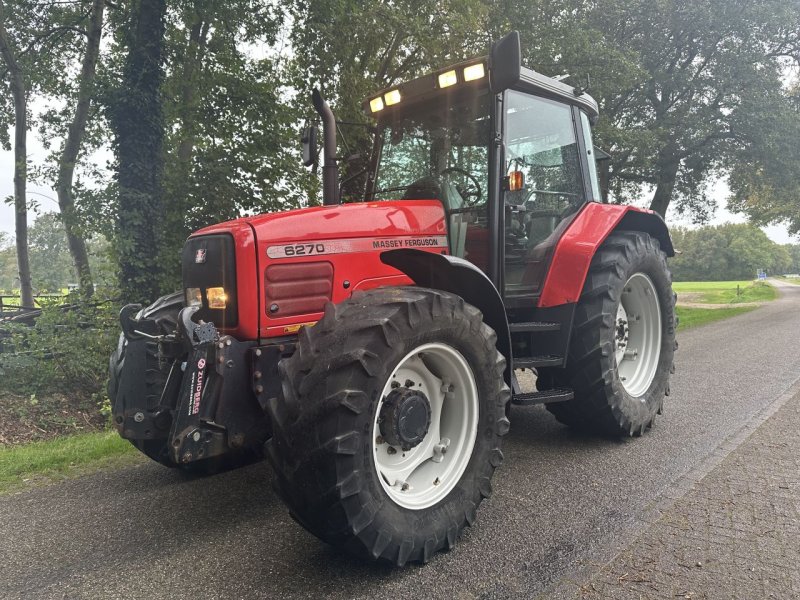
x=371 y=349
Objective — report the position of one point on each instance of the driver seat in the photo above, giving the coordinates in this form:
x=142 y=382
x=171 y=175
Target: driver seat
x=433 y=188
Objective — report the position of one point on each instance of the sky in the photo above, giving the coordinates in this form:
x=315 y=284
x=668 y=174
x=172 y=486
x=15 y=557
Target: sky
x=46 y=197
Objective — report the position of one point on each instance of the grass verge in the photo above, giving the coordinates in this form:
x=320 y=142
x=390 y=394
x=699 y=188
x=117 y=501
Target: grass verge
x=42 y=462
x=725 y=292
x=692 y=317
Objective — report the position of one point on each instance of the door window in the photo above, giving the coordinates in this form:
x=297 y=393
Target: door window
x=541 y=143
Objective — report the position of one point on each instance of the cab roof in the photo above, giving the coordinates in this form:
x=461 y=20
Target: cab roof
x=428 y=87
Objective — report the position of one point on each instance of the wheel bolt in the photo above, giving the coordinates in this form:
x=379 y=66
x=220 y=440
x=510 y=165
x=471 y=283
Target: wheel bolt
x=379 y=440
x=391 y=450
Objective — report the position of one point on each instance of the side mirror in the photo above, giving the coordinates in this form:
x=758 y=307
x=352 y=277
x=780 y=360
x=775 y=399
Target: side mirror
x=505 y=63
x=308 y=140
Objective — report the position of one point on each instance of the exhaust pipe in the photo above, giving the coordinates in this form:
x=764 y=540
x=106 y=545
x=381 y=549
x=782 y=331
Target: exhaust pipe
x=330 y=170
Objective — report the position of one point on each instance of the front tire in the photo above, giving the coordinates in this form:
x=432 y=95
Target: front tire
x=623 y=340
x=389 y=429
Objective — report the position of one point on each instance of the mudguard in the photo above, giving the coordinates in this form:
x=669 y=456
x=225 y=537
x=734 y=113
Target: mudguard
x=577 y=247
x=459 y=276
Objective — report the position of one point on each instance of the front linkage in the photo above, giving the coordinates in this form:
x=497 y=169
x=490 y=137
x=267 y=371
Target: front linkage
x=192 y=394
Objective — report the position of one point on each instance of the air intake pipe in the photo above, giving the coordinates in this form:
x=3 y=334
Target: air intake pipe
x=330 y=170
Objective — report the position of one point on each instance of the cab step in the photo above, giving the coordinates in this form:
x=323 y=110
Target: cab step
x=531 y=326
x=543 y=397
x=531 y=362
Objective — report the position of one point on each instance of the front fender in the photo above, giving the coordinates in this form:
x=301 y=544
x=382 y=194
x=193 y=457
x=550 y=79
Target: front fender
x=458 y=276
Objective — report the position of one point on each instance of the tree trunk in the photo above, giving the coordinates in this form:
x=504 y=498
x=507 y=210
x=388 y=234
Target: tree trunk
x=72 y=145
x=665 y=185
x=193 y=63
x=20 y=162
x=137 y=118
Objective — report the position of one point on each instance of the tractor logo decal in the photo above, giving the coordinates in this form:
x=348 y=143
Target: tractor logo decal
x=200 y=256
x=196 y=389
x=292 y=250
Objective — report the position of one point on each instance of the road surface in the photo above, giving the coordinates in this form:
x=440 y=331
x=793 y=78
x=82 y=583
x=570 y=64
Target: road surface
x=561 y=501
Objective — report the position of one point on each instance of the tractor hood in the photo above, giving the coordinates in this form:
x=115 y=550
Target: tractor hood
x=358 y=220
x=304 y=258
x=374 y=219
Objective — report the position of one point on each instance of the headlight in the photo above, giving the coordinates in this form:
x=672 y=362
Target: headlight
x=194 y=297
x=217 y=298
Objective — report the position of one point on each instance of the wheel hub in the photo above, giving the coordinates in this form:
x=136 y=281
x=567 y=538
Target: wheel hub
x=637 y=339
x=405 y=418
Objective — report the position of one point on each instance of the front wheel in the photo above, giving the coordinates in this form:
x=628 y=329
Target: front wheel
x=388 y=432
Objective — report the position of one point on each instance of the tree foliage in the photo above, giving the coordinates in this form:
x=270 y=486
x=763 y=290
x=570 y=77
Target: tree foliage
x=765 y=179
x=205 y=99
x=231 y=137
x=678 y=83
x=51 y=265
x=727 y=252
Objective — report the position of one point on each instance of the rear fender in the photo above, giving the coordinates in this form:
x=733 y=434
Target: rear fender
x=579 y=243
x=461 y=277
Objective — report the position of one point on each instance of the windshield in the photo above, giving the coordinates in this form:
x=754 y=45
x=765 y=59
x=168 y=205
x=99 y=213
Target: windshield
x=438 y=150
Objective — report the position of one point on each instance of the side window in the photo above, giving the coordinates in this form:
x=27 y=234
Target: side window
x=542 y=144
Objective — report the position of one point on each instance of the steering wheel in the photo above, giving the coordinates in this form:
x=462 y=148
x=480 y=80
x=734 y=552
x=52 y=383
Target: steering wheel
x=472 y=193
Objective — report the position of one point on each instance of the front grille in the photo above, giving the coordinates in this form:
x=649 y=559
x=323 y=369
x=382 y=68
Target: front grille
x=298 y=289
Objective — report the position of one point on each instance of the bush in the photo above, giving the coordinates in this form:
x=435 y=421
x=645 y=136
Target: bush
x=65 y=351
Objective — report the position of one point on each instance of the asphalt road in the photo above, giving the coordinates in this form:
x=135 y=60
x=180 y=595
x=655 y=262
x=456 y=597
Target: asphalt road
x=561 y=501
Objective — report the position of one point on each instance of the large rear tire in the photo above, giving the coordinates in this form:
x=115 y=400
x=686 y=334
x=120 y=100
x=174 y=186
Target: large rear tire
x=623 y=340
x=389 y=428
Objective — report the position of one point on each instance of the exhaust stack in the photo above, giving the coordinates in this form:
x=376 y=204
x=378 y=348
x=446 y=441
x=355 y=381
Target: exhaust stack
x=330 y=169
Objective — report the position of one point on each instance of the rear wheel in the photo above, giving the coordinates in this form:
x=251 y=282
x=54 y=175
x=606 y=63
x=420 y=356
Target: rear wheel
x=389 y=429
x=623 y=340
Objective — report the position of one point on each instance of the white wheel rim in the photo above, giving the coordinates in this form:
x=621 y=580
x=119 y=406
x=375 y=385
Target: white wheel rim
x=637 y=339
x=424 y=475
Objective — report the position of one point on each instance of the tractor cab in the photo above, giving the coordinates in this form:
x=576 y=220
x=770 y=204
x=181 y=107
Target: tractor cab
x=511 y=167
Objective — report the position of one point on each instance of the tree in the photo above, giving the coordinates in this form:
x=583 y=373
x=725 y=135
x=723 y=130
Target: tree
x=673 y=79
x=19 y=91
x=350 y=50
x=794 y=258
x=136 y=116
x=726 y=252
x=72 y=146
x=231 y=143
x=8 y=264
x=765 y=182
x=51 y=264
x=36 y=43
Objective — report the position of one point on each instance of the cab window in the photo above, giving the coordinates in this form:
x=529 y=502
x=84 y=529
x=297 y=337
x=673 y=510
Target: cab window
x=541 y=144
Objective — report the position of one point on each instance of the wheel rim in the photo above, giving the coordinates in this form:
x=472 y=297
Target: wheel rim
x=425 y=474
x=637 y=343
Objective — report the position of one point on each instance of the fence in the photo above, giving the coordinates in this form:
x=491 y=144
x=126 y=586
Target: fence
x=9 y=304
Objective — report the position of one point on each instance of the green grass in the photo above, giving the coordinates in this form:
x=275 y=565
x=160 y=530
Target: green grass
x=725 y=292
x=39 y=462
x=692 y=317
